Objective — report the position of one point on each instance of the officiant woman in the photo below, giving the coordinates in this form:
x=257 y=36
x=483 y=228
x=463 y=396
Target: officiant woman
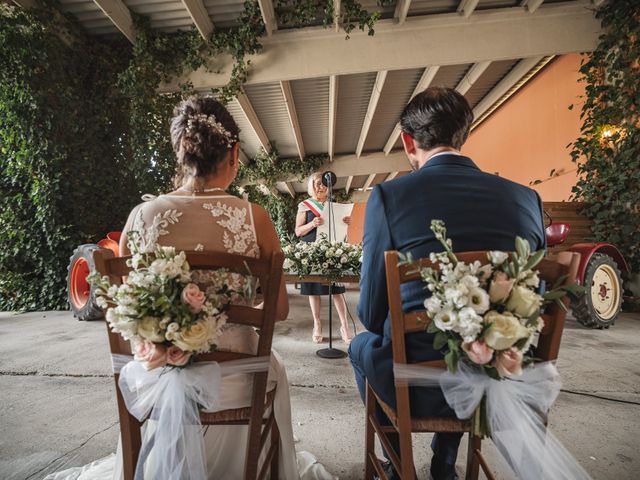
x=307 y=221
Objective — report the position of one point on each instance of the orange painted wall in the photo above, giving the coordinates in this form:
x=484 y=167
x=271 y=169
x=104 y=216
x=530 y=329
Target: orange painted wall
x=527 y=137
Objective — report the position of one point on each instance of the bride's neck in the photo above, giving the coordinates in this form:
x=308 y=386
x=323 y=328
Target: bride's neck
x=198 y=184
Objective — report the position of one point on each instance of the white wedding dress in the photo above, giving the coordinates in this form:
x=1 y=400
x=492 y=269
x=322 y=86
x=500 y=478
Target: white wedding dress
x=214 y=223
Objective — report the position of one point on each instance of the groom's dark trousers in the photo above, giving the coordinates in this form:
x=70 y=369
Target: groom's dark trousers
x=481 y=212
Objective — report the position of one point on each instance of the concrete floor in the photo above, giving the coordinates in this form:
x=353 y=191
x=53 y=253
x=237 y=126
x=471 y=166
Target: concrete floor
x=57 y=404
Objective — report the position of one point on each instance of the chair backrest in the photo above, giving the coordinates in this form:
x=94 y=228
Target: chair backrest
x=268 y=271
x=416 y=321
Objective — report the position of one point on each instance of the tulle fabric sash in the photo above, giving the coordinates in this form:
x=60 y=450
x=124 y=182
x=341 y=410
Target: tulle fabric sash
x=171 y=396
x=515 y=409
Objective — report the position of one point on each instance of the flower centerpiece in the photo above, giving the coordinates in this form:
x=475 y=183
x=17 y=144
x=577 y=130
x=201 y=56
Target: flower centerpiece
x=331 y=259
x=160 y=309
x=486 y=315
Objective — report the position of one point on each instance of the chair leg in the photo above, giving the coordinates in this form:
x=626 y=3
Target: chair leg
x=370 y=407
x=473 y=464
x=275 y=443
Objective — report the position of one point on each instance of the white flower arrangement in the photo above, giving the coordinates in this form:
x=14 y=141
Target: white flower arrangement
x=331 y=259
x=161 y=309
x=486 y=315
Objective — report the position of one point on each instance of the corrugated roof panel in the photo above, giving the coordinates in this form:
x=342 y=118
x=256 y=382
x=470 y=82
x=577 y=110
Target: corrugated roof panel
x=489 y=78
x=311 y=97
x=248 y=138
x=354 y=93
x=224 y=13
x=268 y=102
x=396 y=92
x=358 y=181
x=489 y=4
x=89 y=16
x=431 y=7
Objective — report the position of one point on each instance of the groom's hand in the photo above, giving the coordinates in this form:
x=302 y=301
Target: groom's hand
x=347 y=220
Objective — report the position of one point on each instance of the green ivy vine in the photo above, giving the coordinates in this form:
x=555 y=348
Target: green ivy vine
x=607 y=153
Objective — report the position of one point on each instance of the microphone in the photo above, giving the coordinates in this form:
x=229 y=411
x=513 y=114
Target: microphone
x=329 y=178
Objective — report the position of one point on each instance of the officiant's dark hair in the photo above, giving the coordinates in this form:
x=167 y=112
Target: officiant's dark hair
x=437 y=117
x=202 y=133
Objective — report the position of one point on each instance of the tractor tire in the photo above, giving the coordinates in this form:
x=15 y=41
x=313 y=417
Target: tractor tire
x=600 y=305
x=80 y=295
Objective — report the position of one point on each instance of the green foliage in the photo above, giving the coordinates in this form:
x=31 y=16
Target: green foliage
x=300 y=13
x=63 y=175
x=608 y=150
x=258 y=181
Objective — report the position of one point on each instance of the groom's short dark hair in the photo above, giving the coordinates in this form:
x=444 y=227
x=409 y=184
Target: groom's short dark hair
x=437 y=117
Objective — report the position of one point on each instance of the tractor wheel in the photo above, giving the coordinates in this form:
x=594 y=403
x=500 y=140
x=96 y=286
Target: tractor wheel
x=80 y=294
x=600 y=305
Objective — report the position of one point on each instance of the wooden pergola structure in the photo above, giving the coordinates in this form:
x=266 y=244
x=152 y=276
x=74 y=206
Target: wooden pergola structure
x=310 y=91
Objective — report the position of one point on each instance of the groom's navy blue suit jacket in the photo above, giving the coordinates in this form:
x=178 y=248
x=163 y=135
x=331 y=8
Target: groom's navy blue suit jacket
x=481 y=212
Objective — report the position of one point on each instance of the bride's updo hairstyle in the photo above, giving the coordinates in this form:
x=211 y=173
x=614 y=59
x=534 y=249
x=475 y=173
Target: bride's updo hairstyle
x=202 y=133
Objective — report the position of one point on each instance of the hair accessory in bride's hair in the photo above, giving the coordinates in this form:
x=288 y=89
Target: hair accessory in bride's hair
x=210 y=122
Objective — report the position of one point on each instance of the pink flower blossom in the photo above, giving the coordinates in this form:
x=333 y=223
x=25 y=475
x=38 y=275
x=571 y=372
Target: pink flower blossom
x=152 y=355
x=509 y=362
x=194 y=297
x=177 y=357
x=479 y=352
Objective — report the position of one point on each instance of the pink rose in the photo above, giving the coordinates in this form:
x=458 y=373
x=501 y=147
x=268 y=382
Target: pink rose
x=509 y=362
x=193 y=296
x=500 y=288
x=177 y=357
x=152 y=355
x=479 y=352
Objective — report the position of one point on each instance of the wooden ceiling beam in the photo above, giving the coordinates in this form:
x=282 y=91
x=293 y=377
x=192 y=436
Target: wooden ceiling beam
x=120 y=15
x=200 y=17
x=492 y=35
x=293 y=116
x=402 y=9
x=427 y=77
x=369 y=181
x=347 y=187
x=268 y=16
x=471 y=77
x=466 y=7
x=371 y=109
x=254 y=121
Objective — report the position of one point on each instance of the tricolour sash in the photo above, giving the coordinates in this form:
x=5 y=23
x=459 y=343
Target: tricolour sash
x=315 y=206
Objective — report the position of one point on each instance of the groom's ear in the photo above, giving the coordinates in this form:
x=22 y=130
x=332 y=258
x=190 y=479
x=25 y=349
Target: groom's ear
x=408 y=142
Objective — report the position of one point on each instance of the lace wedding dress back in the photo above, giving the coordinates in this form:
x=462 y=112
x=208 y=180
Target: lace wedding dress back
x=215 y=223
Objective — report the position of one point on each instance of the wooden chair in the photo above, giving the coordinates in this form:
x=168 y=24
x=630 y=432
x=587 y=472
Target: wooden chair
x=262 y=430
x=405 y=323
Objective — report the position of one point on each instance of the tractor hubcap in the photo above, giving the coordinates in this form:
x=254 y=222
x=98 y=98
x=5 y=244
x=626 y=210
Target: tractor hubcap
x=605 y=291
x=80 y=289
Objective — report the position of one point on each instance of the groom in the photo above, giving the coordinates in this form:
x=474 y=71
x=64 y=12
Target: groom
x=481 y=212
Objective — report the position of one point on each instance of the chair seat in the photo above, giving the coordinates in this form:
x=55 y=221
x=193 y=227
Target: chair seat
x=426 y=424
x=235 y=415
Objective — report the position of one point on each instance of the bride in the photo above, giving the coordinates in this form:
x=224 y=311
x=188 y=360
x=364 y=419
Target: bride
x=200 y=215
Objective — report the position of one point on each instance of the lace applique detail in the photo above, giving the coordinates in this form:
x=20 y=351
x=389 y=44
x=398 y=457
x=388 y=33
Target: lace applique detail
x=242 y=239
x=148 y=235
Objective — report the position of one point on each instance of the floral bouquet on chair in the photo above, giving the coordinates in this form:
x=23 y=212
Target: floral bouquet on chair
x=331 y=259
x=484 y=318
x=487 y=315
x=158 y=307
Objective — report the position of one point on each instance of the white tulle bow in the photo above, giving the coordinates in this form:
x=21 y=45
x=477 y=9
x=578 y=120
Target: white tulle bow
x=171 y=397
x=515 y=408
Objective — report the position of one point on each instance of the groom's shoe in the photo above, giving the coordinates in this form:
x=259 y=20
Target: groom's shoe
x=389 y=471
x=442 y=471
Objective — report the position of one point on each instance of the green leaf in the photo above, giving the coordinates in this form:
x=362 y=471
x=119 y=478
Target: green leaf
x=439 y=341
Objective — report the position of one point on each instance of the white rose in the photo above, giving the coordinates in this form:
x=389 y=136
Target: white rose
x=433 y=305
x=497 y=257
x=524 y=302
x=504 y=330
x=149 y=329
x=501 y=287
x=193 y=339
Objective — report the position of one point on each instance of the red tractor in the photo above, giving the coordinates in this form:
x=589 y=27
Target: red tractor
x=601 y=269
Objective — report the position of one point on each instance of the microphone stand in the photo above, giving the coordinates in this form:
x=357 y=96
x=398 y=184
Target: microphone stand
x=330 y=352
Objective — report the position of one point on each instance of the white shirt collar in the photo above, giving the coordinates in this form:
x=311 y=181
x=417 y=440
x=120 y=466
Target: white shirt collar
x=449 y=152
